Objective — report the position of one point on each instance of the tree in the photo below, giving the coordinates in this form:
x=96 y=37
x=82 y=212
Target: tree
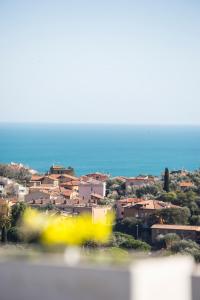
x=126 y=241
x=129 y=225
x=159 y=241
x=175 y=215
x=195 y=220
x=133 y=244
x=168 y=197
x=166 y=180
x=4 y=224
x=170 y=216
x=147 y=190
x=72 y=171
x=17 y=213
x=187 y=247
x=170 y=239
x=14 y=234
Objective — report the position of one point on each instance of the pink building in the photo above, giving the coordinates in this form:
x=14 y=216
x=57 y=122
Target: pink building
x=90 y=187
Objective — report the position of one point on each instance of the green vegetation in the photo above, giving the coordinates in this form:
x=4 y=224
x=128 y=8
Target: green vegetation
x=10 y=225
x=166 y=180
x=127 y=241
x=17 y=213
x=131 y=226
x=4 y=225
x=170 y=216
x=21 y=175
x=186 y=247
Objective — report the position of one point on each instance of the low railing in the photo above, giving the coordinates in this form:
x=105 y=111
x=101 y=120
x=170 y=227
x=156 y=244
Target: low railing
x=150 y=279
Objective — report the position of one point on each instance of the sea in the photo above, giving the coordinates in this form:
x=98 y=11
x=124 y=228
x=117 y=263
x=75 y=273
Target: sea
x=126 y=150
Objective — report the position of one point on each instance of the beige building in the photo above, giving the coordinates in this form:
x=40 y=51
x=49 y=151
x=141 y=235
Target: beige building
x=139 y=181
x=184 y=231
x=145 y=208
x=124 y=203
x=61 y=170
x=5 y=206
x=98 y=212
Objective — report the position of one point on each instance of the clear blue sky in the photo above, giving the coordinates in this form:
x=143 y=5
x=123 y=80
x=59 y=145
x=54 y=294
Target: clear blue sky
x=100 y=61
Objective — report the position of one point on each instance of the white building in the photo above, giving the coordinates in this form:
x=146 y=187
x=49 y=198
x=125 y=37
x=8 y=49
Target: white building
x=1 y=189
x=20 y=191
x=91 y=186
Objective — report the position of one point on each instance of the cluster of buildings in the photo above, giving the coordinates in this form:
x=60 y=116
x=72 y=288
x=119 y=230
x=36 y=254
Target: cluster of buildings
x=71 y=195
x=59 y=188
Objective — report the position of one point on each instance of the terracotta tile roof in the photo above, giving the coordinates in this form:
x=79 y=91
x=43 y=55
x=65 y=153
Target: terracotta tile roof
x=97 y=196
x=140 y=179
x=52 y=176
x=44 y=191
x=122 y=178
x=37 y=177
x=66 y=193
x=43 y=186
x=186 y=184
x=97 y=176
x=175 y=227
x=153 y=204
x=70 y=183
x=3 y=201
x=130 y=200
x=91 y=181
x=69 y=176
x=12 y=200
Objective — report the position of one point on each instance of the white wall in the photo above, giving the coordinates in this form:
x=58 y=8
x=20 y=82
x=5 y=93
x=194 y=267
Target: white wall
x=154 y=279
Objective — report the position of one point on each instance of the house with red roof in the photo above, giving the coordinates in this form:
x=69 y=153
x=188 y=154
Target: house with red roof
x=145 y=208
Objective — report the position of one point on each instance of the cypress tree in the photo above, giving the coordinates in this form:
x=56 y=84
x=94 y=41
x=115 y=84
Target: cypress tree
x=166 y=180
x=4 y=234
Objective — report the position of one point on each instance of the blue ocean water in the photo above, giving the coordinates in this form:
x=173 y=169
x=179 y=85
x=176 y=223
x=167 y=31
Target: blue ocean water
x=115 y=149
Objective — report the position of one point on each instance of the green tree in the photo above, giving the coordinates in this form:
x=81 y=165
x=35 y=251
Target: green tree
x=195 y=220
x=175 y=215
x=168 y=197
x=152 y=190
x=170 y=216
x=187 y=247
x=17 y=213
x=170 y=239
x=166 y=180
x=4 y=225
x=14 y=234
x=129 y=225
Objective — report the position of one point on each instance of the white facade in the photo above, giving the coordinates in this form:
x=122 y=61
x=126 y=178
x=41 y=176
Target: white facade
x=21 y=191
x=1 y=189
x=92 y=186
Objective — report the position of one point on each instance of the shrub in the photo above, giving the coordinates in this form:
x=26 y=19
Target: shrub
x=170 y=239
x=135 y=244
x=129 y=225
x=126 y=241
x=13 y=235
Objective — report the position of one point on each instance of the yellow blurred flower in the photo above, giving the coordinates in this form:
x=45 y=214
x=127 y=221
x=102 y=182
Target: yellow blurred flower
x=68 y=230
x=33 y=220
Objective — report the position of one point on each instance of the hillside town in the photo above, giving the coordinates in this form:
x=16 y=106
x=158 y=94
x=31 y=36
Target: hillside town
x=151 y=212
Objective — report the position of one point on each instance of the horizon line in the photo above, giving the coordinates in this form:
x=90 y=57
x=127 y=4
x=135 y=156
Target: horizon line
x=97 y=123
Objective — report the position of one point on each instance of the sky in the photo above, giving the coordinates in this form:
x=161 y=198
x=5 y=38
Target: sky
x=105 y=61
